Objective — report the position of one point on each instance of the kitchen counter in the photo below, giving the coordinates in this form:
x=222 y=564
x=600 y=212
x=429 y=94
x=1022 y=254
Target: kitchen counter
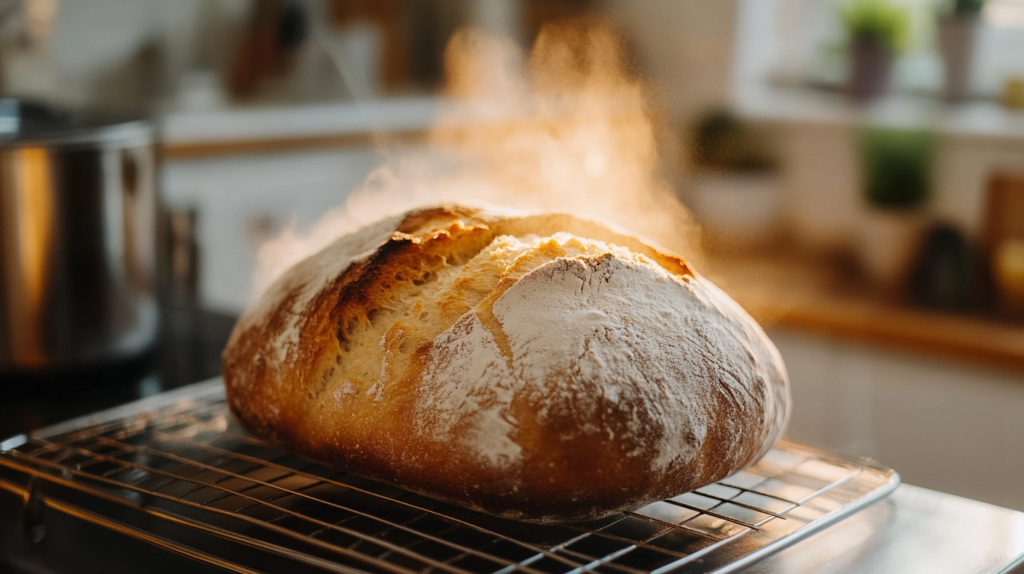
x=913 y=530
x=817 y=296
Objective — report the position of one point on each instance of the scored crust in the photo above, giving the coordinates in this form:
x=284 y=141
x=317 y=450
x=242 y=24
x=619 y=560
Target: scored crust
x=538 y=367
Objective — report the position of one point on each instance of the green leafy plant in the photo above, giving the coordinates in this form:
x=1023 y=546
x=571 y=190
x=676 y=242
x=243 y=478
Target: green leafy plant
x=878 y=19
x=897 y=166
x=723 y=142
x=968 y=7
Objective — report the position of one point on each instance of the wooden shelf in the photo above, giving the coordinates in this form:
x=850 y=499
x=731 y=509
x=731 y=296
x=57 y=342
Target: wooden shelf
x=813 y=296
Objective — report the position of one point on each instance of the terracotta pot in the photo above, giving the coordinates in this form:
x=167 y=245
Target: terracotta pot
x=870 y=67
x=889 y=242
x=738 y=211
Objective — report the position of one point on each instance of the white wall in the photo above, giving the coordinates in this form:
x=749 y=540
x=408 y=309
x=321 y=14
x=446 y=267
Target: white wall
x=687 y=46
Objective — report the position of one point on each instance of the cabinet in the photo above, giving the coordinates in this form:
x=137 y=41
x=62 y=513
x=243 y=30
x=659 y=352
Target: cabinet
x=243 y=201
x=943 y=424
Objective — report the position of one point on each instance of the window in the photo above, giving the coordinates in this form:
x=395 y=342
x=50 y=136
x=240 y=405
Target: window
x=803 y=43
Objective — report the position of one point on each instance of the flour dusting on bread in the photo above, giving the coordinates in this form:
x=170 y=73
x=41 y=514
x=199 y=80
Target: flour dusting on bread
x=600 y=329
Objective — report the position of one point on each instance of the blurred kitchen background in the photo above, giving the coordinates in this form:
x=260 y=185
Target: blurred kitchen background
x=856 y=169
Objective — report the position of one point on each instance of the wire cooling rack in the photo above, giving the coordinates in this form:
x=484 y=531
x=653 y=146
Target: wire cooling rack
x=177 y=472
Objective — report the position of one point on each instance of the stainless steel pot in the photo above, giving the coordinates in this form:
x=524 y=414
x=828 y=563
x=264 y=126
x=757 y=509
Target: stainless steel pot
x=77 y=238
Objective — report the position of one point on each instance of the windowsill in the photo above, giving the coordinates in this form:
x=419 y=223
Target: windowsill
x=984 y=119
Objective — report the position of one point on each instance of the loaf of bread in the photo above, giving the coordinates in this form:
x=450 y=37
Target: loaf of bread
x=537 y=367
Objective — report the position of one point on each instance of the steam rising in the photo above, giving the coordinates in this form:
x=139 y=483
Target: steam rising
x=563 y=129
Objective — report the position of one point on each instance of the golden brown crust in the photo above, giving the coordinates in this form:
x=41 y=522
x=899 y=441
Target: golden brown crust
x=294 y=368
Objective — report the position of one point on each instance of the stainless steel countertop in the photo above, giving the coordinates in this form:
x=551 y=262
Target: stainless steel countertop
x=913 y=530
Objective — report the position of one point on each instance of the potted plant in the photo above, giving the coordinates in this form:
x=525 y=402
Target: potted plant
x=957 y=30
x=876 y=30
x=736 y=191
x=896 y=167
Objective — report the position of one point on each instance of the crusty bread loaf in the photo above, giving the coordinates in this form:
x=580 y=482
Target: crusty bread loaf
x=538 y=367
